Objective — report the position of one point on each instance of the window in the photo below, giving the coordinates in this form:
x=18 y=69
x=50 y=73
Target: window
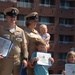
x=64 y=4
x=21 y=20
x=52 y=2
x=21 y=17
x=2 y=0
x=1 y=16
x=62 y=56
x=66 y=39
x=47 y=3
x=72 y=4
x=25 y=3
x=52 y=37
x=31 y=1
x=66 y=22
x=46 y=20
x=44 y=1
x=67 y=4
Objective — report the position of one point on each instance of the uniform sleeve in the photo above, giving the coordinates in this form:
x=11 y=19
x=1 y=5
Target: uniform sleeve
x=24 y=46
x=27 y=38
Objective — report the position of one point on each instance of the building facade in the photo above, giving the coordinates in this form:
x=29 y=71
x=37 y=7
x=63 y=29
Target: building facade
x=58 y=15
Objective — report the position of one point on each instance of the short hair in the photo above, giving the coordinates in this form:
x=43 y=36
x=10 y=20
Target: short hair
x=43 y=25
x=27 y=23
x=40 y=43
x=69 y=54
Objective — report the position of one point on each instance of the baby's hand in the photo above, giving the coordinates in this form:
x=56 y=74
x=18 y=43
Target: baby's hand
x=63 y=72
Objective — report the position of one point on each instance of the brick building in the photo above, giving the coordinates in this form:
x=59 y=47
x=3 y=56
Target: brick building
x=58 y=15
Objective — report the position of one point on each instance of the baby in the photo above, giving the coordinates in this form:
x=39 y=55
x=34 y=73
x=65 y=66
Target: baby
x=44 y=34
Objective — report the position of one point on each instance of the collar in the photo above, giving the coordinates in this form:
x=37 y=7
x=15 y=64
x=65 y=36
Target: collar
x=11 y=30
x=29 y=30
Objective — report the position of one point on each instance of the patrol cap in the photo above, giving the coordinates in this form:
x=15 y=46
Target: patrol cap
x=32 y=16
x=12 y=11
